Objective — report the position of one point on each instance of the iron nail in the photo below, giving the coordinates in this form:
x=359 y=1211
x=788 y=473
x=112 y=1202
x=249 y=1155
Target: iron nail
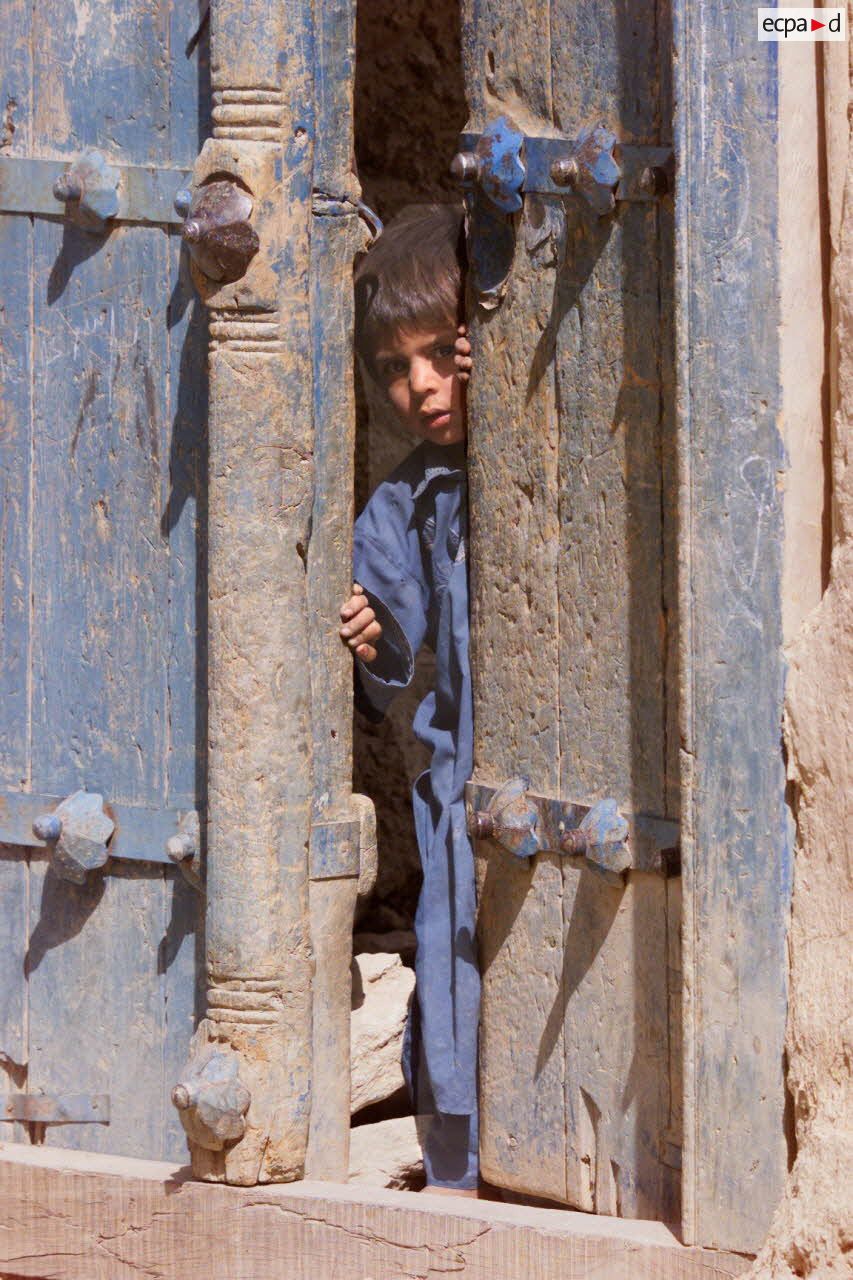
x=464 y=166
x=564 y=172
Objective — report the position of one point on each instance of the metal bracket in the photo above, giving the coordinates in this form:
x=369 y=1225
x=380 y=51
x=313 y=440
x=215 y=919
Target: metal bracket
x=333 y=850
x=505 y=163
x=139 y=835
x=142 y=193
x=493 y=160
x=609 y=842
x=69 y=1108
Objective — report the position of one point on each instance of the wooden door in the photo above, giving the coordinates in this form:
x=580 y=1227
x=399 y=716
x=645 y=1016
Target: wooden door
x=573 y=601
x=102 y=564
x=626 y=550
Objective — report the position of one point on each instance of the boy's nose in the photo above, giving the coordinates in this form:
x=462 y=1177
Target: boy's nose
x=422 y=376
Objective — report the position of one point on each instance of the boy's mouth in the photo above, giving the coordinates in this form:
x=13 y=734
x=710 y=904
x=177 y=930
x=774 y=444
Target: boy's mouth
x=439 y=418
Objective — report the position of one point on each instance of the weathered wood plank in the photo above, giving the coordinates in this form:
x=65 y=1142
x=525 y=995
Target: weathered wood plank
x=334 y=239
x=514 y=654
x=591 y=625
x=184 y=521
x=102 y=74
x=100 y=366
x=15 y=448
x=96 y=1003
x=607 y=358
x=613 y=705
x=15 y=500
x=15 y=411
x=180 y=965
x=183 y=524
x=101 y=611
x=96 y=1218
x=735 y=844
x=184 y=518
x=613 y=629
x=101 y=607
x=116 y=642
x=14 y=1010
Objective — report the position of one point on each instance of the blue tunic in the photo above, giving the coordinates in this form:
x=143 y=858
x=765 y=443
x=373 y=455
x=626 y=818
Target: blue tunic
x=410 y=558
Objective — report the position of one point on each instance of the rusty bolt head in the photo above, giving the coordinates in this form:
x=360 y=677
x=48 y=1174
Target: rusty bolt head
x=465 y=166
x=182 y=201
x=180 y=847
x=67 y=187
x=47 y=827
x=482 y=825
x=574 y=841
x=219 y=234
x=181 y=1097
x=192 y=231
x=564 y=172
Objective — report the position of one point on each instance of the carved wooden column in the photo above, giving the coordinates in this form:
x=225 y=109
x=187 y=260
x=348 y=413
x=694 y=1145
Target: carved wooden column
x=254 y=1045
x=272 y=227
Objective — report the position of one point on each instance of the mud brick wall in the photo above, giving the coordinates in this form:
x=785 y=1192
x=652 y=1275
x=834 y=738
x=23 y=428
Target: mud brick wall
x=811 y=1233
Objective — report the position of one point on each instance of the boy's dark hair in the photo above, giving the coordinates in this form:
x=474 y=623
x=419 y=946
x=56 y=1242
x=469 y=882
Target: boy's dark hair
x=412 y=277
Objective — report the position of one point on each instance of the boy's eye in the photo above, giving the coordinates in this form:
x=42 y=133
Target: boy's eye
x=445 y=350
x=395 y=368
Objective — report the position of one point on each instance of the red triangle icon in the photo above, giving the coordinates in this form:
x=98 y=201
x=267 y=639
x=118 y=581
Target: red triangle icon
x=816 y=24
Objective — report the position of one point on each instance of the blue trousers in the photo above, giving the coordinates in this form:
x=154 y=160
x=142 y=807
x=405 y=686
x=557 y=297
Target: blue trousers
x=450 y=1151
x=451 y=1144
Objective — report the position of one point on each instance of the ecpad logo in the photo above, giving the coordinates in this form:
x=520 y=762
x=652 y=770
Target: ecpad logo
x=802 y=24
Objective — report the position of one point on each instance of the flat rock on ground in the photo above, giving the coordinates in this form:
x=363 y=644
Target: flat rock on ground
x=382 y=993
x=388 y=1154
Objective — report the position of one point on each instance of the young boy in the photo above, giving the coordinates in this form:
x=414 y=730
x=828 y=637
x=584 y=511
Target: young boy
x=411 y=589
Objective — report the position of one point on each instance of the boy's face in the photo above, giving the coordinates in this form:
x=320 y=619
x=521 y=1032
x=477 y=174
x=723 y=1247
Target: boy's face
x=417 y=370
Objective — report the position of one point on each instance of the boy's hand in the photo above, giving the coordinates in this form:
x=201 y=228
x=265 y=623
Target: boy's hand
x=462 y=354
x=360 y=631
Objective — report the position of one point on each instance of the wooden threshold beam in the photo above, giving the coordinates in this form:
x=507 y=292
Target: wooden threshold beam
x=69 y=1215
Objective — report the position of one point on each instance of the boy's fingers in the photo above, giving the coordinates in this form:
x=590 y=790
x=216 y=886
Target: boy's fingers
x=366 y=652
x=462 y=329
x=369 y=634
x=358 y=623
x=353 y=606
x=462 y=356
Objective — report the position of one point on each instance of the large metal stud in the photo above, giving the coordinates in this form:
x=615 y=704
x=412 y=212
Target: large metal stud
x=219 y=233
x=212 y=1101
x=78 y=829
x=91 y=185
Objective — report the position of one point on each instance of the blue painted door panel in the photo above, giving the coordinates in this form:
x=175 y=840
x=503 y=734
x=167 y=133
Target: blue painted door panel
x=102 y=586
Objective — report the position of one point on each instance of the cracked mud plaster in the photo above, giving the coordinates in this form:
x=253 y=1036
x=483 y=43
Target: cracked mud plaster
x=812 y=1231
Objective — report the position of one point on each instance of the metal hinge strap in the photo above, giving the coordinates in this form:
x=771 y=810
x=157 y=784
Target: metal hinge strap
x=502 y=163
x=68 y=1108
x=644 y=172
x=543 y=824
x=140 y=835
x=333 y=851
x=145 y=193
